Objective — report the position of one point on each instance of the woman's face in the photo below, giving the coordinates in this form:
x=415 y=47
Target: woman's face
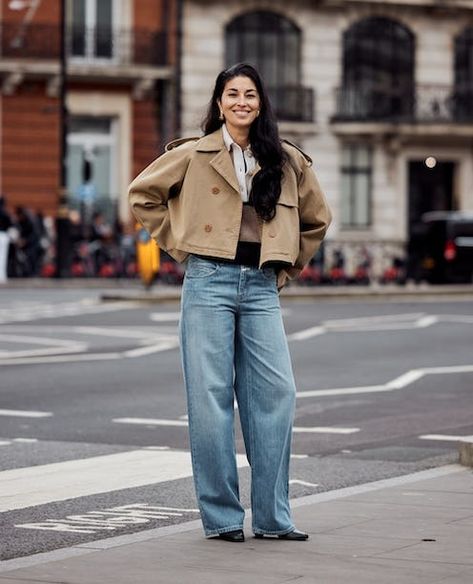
x=240 y=103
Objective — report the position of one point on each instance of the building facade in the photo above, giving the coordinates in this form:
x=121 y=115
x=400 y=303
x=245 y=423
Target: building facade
x=121 y=65
x=378 y=92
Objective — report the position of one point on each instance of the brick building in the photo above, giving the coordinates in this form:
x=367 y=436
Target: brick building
x=121 y=74
x=378 y=92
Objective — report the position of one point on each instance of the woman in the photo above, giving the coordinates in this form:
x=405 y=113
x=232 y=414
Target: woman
x=247 y=213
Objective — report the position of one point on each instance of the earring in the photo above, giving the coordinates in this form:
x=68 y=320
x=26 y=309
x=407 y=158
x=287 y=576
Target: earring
x=257 y=113
x=221 y=116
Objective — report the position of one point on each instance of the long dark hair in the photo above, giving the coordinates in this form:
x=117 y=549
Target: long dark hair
x=264 y=140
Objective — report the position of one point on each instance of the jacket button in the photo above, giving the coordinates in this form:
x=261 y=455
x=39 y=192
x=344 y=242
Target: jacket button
x=208 y=228
x=215 y=190
x=272 y=234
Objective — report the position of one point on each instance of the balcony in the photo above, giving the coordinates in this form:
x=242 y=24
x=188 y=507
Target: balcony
x=424 y=104
x=293 y=103
x=91 y=45
x=104 y=55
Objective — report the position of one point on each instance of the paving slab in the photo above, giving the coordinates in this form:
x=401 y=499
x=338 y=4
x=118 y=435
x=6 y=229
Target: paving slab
x=358 y=535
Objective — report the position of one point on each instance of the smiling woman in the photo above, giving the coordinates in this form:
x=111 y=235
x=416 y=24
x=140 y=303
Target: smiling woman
x=247 y=212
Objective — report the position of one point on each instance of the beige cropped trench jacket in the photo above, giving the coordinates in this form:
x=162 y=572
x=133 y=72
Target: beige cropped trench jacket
x=189 y=201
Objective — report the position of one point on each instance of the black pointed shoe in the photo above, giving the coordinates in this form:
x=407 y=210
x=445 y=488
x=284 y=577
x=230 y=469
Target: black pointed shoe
x=236 y=535
x=294 y=535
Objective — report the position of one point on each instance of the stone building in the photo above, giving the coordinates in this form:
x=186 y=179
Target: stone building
x=121 y=63
x=378 y=92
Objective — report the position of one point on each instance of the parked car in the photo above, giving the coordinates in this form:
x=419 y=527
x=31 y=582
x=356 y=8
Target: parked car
x=447 y=250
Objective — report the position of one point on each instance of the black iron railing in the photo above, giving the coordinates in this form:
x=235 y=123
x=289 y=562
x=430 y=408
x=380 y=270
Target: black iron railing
x=88 y=45
x=420 y=104
x=293 y=103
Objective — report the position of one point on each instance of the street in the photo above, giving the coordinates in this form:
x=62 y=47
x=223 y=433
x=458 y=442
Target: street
x=93 y=427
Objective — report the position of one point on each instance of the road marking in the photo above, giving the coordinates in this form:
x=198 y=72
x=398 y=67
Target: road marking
x=325 y=430
x=109 y=519
x=25 y=413
x=5 y=442
x=38 y=485
x=40 y=311
x=142 y=351
x=313 y=331
x=409 y=321
x=398 y=383
x=150 y=421
x=447 y=438
x=304 y=483
x=165 y=316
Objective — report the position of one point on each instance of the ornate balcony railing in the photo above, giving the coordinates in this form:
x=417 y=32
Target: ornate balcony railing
x=293 y=103
x=87 y=45
x=419 y=104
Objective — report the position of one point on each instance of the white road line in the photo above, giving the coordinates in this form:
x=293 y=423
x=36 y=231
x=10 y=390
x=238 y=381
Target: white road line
x=25 y=414
x=307 y=333
x=325 y=430
x=150 y=421
x=42 y=484
x=165 y=316
x=398 y=383
x=447 y=438
x=427 y=321
x=304 y=483
x=405 y=379
x=61 y=359
x=142 y=351
x=5 y=442
x=363 y=320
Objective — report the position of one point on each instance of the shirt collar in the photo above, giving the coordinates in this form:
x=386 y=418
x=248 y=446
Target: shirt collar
x=227 y=139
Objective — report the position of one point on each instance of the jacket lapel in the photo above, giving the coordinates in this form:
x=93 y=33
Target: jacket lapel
x=222 y=162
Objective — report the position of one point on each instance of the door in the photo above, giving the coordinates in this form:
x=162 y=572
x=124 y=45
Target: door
x=91 y=160
x=430 y=189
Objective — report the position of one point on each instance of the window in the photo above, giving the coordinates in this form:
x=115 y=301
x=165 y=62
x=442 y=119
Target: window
x=272 y=43
x=92 y=148
x=463 y=96
x=356 y=182
x=92 y=28
x=378 y=70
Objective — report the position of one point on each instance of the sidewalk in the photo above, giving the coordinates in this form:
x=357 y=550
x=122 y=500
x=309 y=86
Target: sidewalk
x=416 y=529
x=133 y=290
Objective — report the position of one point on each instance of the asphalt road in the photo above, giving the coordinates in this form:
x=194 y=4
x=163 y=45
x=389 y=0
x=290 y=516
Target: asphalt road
x=93 y=431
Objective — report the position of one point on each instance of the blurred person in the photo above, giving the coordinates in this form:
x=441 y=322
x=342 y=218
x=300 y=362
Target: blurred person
x=28 y=243
x=246 y=212
x=6 y=224
x=101 y=236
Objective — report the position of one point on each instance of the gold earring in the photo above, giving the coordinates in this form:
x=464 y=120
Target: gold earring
x=257 y=113
x=221 y=116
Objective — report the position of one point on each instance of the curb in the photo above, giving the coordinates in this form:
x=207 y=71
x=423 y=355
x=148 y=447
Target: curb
x=293 y=293
x=465 y=451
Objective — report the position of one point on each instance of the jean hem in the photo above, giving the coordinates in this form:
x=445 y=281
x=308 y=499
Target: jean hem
x=267 y=532
x=213 y=532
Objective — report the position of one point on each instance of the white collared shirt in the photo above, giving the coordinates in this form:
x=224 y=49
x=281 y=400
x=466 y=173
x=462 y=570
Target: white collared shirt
x=244 y=163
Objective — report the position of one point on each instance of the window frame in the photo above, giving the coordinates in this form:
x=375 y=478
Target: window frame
x=352 y=171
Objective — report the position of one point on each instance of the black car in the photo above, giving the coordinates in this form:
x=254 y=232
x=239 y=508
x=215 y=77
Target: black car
x=447 y=246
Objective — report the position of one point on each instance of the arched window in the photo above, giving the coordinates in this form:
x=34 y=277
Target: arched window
x=378 y=70
x=272 y=43
x=463 y=96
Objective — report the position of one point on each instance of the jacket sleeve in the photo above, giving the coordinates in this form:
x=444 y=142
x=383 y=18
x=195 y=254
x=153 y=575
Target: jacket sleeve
x=150 y=191
x=315 y=218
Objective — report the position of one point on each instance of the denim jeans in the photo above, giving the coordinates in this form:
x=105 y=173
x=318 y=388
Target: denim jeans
x=233 y=344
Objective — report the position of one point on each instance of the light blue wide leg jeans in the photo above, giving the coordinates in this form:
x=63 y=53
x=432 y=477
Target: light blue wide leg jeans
x=233 y=344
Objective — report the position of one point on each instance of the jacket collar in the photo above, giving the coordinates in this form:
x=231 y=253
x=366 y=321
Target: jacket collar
x=212 y=142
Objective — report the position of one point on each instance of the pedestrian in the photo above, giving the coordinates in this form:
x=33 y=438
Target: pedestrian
x=6 y=224
x=246 y=212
